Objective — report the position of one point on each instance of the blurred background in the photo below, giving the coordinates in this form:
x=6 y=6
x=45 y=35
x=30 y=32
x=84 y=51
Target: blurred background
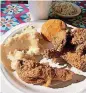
x=14 y=12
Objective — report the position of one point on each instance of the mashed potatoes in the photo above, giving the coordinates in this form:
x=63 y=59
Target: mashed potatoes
x=17 y=46
x=27 y=40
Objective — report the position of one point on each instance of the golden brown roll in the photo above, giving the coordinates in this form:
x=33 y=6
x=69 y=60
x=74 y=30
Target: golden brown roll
x=55 y=31
x=51 y=27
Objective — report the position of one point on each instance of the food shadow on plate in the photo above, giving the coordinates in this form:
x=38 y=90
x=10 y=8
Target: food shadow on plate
x=76 y=79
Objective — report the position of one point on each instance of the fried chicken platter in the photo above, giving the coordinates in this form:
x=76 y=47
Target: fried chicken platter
x=48 y=56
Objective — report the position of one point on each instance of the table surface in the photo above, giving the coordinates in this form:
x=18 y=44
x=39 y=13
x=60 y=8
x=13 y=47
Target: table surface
x=13 y=14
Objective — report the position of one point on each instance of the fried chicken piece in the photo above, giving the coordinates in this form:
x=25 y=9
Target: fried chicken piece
x=79 y=36
x=36 y=73
x=79 y=39
x=75 y=59
x=31 y=71
x=62 y=74
x=50 y=53
x=81 y=48
x=54 y=55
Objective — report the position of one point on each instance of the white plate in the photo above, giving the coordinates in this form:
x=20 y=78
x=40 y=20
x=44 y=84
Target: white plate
x=30 y=88
x=70 y=16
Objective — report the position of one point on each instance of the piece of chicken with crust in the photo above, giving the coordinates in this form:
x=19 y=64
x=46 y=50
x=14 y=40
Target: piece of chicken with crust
x=79 y=39
x=75 y=59
x=33 y=72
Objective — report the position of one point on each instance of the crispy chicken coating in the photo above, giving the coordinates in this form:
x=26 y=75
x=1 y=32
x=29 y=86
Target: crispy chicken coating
x=75 y=59
x=79 y=39
x=51 y=53
x=36 y=73
x=54 y=55
x=79 y=36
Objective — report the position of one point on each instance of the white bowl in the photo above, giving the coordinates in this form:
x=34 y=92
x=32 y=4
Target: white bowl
x=70 y=16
